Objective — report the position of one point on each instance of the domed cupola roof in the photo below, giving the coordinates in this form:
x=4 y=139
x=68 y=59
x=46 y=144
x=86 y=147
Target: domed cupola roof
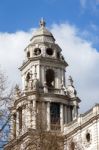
x=42 y=34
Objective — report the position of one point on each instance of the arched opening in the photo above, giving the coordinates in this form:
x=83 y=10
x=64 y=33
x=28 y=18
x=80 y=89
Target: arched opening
x=55 y=116
x=37 y=51
x=28 y=54
x=50 y=78
x=58 y=55
x=88 y=137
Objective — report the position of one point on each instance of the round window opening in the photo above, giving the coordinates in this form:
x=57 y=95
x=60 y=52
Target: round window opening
x=37 y=51
x=49 y=51
x=88 y=137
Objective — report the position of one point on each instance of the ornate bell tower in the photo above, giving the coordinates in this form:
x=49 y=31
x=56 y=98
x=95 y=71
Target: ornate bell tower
x=45 y=98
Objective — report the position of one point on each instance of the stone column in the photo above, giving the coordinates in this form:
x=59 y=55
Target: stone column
x=34 y=115
x=64 y=77
x=68 y=114
x=23 y=82
x=74 y=111
x=43 y=74
x=43 y=115
x=55 y=54
x=37 y=71
x=29 y=114
x=65 y=114
x=48 y=116
x=61 y=117
x=14 y=125
x=45 y=88
x=62 y=73
x=33 y=72
x=56 y=78
x=25 y=116
x=17 y=123
x=23 y=119
x=40 y=74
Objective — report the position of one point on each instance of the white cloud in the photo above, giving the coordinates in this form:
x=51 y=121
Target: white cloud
x=12 y=52
x=90 y=5
x=82 y=58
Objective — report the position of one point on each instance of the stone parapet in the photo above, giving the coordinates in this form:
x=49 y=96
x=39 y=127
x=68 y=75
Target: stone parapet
x=82 y=120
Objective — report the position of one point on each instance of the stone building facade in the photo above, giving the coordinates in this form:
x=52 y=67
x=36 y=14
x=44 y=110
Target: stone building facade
x=46 y=98
x=83 y=132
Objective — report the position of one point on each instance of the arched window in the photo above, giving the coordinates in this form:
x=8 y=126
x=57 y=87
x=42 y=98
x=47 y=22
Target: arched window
x=50 y=77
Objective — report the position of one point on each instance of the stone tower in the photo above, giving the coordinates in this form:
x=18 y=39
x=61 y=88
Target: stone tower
x=44 y=96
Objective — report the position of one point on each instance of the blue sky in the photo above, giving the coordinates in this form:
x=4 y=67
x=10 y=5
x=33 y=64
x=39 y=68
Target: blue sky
x=75 y=25
x=24 y=14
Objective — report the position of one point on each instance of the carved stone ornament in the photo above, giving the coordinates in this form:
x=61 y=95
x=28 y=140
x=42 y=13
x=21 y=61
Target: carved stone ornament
x=70 y=88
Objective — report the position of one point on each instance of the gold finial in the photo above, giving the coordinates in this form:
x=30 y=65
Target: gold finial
x=42 y=22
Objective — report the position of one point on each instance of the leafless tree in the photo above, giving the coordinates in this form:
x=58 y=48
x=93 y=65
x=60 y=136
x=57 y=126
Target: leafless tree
x=5 y=97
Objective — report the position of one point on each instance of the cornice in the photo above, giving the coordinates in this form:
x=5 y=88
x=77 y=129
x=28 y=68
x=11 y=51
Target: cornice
x=43 y=59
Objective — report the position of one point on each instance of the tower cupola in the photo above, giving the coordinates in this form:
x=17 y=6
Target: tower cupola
x=45 y=99
x=44 y=56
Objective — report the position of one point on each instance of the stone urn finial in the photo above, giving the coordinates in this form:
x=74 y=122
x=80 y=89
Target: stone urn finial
x=71 y=92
